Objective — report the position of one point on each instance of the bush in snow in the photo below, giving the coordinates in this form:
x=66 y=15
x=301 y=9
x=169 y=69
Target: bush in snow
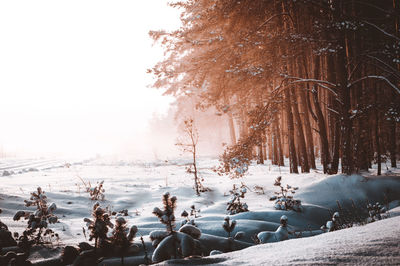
x=333 y=225
x=181 y=244
x=280 y=234
x=229 y=225
x=375 y=212
x=6 y=238
x=122 y=237
x=12 y=258
x=235 y=160
x=189 y=218
x=98 y=227
x=166 y=216
x=37 y=221
x=235 y=205
x=171 y=244
x=96 y=192
x=284 y=200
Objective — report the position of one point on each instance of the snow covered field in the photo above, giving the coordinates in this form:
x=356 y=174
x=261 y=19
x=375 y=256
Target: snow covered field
x=138 y=187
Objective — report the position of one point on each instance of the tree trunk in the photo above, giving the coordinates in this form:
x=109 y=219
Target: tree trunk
x=344 y=94
x=393 y=143
x=305 y=167
x=231 y=128
x=307 y=123
x=325 y=157
x=290 y=126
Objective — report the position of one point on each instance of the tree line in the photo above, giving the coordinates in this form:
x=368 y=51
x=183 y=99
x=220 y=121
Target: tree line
x=297 y=79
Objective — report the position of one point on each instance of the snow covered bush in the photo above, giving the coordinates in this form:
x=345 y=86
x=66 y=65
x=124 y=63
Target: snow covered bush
x=280 y=234
x=122 y=237
x=235 y=161
x=375 y=212
x=98 y=227
x=6 y=238
x=166 y=216
x=229 y=225
x=235 y=205
x=284 y=200
x=181 y=244
x=333 y=225
x=190 y=218
x=171 y=244
x=38 y=221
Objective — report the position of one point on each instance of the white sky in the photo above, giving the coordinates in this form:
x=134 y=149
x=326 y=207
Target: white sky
x=73 y=74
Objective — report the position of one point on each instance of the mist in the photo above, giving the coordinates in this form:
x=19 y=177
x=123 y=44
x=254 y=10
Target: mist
x=73 y=76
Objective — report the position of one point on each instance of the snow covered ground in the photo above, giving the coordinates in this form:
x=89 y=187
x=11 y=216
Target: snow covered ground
x=376 y=243
x=138 y=186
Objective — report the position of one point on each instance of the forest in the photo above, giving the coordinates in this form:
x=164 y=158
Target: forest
x=303 y=80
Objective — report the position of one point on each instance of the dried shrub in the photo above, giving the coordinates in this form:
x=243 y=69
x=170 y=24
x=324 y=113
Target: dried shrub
x=95 y=192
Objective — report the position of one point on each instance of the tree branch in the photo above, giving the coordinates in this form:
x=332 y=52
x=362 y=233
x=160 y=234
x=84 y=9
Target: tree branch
x=375 y=77
x=381 y=30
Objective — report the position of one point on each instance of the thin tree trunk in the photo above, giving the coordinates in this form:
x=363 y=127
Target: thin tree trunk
x=290 y=126
x=231 y=128
x=393 y=143
x=307 y=123
x=305 y=167
x=344 y=94
x=325 y=158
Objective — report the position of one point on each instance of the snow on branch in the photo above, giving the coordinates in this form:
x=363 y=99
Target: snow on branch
x=375 y=77
x=321 y=83
x=382 y=30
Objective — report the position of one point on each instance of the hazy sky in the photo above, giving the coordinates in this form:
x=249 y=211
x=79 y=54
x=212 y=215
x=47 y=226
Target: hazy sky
x=73 y=73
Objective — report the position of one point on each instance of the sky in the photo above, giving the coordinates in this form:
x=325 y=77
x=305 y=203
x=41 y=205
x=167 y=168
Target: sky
x=73 y=74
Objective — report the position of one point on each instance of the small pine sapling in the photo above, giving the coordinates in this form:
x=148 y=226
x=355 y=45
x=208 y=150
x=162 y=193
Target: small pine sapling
x=37 y=221
x=170 y=243
x=375 y=212
x=194 y=212
x=122 y=237
x=166 y=216
x=284 y=200
x=190 y=218
x=235 y=205
x=98 y=227
x=229 y=225
x=186 y=218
